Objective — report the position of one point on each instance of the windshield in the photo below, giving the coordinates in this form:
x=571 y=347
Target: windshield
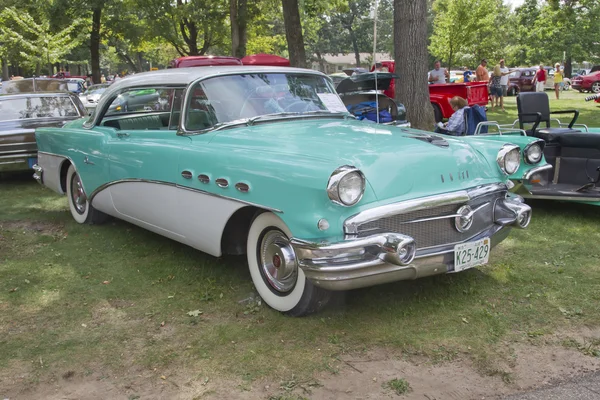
x=73 y=86
x=223 y=99
x=36 y=107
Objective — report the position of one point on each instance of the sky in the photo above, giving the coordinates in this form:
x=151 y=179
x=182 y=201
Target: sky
x=514 y=3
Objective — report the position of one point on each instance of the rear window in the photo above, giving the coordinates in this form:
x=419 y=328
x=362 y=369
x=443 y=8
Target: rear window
x=515 y=74
x=36 y=107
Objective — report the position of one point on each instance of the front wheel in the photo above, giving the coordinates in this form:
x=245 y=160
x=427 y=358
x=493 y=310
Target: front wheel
x=274 y=270
x=596 y=87
x=81 y=209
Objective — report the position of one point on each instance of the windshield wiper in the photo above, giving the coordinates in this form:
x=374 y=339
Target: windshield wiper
x=293 y=114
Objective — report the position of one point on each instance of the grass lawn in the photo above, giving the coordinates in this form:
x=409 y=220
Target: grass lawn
x=114 y=298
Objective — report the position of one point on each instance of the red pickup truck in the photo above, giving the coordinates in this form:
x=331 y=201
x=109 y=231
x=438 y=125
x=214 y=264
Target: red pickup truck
x=440 y=94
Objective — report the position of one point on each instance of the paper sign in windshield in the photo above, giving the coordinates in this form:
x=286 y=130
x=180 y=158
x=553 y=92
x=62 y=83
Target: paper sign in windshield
x=332 y=102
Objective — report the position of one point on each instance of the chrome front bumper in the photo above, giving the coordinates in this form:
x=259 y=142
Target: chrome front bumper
x=38 y=173
x=381 y=258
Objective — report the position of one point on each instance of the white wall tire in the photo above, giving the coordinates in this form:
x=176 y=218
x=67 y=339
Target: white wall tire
x=81 y=209
x=296 y=298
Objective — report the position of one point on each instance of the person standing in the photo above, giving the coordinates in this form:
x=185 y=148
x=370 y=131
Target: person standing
x=438 y=74
x=481 y=73
x=496 y=88
x=539 y=80
x=504 y=79
x=558 y=79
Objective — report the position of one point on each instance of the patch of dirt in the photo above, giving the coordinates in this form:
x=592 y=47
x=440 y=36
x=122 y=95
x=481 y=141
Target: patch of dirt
x=41 y=227
x=361 y=377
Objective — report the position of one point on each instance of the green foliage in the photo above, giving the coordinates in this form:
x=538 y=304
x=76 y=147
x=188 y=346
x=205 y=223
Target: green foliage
x=467 y=30
x=36 y=42
x=399 y=385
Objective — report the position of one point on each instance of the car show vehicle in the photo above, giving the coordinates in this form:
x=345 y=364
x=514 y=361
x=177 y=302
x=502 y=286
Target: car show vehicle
x=90 y=97
x=521 y=80
x=476 y=93
x=589 y=82
x=203 y=61
x=363 y=95
x=571 y=150
x=31 y=104
x=267 y=162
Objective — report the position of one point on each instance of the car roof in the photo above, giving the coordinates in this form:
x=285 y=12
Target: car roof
x=185 y=76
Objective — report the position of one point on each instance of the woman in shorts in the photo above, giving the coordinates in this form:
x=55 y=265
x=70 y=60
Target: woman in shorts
x=558 y=79
x=496 y=88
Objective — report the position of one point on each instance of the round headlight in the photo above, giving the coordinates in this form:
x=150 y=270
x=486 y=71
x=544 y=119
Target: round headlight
x=509 y=159
x=346 y=186
x=533 y=153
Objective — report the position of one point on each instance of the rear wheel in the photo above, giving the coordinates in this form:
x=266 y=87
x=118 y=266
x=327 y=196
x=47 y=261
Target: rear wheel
x=81 y=209
x=274 y=270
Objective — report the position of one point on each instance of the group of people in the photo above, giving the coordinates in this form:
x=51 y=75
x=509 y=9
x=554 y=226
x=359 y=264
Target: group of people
x=498 y=81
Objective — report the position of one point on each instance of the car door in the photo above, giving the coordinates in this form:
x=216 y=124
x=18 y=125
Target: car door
x=549 y=78
x=144 y=154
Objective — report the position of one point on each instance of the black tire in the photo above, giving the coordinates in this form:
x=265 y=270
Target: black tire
x=291 y=293
x=81 y=209
x=437 y=113
x=595 y=87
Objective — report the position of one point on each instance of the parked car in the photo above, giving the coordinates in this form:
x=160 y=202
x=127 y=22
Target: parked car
x=24 y=110
x=440 y=94
x=363 y=95
x=75 y=85
x=589 y=82
x=266 y=161
x=521 y=80
x=203 y=61
x=90 y=97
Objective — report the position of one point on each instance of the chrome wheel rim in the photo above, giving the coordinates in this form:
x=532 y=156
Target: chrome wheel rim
x=78 y=196
x=596 y=87
x=277 y=261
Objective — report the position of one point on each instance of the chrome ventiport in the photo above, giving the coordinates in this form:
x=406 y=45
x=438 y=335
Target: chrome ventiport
x=222 y=182
x=204 y=178
x=242 y=187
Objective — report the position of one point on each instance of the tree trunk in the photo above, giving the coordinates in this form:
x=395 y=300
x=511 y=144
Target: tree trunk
x=5 y=75
x=293 y=33
x=95 y=42
x=410 y=48
x=238 y=15
x=354 y=46
x=568 y=66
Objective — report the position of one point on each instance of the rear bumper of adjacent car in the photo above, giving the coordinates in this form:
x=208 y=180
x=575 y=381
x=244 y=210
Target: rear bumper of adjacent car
x=17 y=161
x=356 y=262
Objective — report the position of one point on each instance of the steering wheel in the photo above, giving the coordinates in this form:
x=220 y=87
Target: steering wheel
x=303 y=105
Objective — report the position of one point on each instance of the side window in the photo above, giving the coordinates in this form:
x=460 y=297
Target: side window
x=176 y=109
x=201 y=113
x=144 y=109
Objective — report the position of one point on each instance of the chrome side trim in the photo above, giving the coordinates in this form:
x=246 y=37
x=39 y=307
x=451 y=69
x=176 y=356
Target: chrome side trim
x=351 y=224
x=17 y=144
x=563 y=198
x=536 y=170
x=106 y=185
x=556 y=171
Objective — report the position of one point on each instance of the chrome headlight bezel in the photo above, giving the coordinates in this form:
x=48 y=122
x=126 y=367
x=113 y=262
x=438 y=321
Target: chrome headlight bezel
x=539 y=143
x=338 y=178
x=506 y=151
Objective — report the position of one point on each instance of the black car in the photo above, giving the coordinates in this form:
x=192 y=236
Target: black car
x=31 y=104
x=363 y=96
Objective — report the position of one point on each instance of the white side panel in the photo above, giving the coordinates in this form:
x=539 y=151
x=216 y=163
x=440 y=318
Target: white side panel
x=152 y=205
x=203 y=219
x=102 y=201
x=51 y=169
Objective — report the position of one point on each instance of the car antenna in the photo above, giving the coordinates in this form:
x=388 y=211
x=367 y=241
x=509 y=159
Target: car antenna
x=375 y=59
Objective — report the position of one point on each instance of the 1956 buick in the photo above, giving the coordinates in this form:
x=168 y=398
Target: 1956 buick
x=267 y=161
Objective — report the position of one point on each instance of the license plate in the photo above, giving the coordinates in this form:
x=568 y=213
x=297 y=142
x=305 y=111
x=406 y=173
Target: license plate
x=31 y=161
x=471 y=254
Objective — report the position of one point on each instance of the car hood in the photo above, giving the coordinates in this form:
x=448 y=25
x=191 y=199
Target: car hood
x=397 y=162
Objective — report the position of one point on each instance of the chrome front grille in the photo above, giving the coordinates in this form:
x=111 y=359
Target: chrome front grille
x=435 y=226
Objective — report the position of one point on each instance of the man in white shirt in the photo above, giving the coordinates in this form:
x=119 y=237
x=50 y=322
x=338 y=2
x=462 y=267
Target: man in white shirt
x=438 y=74
x=504 y=79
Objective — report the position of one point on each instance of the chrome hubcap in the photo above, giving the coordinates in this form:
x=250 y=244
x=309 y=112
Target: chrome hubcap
x=78 y=195
x=278 y=261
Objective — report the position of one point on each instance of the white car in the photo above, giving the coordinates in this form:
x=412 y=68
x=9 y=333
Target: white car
x=90 y=97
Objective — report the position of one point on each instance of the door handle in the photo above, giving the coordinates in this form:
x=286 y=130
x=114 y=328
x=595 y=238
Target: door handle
x=122 y=134
x=186 y=174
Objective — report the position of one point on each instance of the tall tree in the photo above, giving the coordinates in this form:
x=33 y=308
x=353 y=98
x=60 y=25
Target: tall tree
x=410 y=48
x=238 y=18
x=293 y=33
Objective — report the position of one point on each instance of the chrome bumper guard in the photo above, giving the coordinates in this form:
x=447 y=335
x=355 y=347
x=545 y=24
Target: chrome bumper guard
x=38 y=173
x=388 y=257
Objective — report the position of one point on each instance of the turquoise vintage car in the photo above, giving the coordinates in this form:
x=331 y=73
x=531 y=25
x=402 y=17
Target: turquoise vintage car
x=267 y=161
